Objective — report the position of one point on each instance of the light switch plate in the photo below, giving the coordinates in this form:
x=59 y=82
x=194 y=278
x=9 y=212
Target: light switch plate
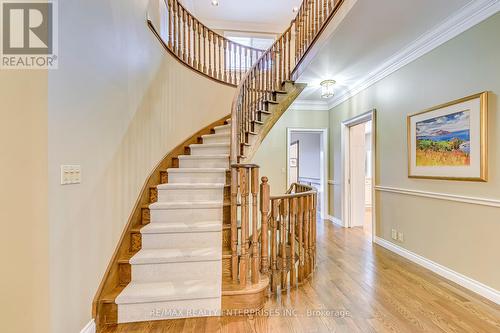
x=71 y=174
x=394 y=234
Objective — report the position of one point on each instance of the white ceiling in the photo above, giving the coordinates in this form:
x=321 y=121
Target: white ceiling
x=369 y=35
x=246 y=15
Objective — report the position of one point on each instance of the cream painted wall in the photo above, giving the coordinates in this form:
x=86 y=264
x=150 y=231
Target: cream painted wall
x=271 y=155
x=117 y=104
x=24 y=248
x=462 y=237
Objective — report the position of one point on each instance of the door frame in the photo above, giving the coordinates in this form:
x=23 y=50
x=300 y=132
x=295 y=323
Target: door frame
x=345 y=185
x=323 y=164
x=298 y=159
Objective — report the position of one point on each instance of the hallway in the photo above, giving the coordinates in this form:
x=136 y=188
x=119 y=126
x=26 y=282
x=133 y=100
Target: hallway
x=359 y=287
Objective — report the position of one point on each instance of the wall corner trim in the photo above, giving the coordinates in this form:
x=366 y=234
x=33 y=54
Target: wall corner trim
x=89 y=328
x=441 y=196
x=468 y=16
x=460 y=279
x=335 y=220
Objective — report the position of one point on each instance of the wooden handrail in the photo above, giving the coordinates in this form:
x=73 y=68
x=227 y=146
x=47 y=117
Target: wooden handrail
x=275 y=66
x=287 y=222
x=202 y=49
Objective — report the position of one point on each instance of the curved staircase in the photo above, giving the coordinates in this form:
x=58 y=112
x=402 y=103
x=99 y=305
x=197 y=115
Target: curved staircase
x=177 y=273
x=205 y=235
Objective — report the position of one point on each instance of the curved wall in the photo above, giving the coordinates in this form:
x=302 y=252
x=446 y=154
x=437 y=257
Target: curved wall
x=117 y=104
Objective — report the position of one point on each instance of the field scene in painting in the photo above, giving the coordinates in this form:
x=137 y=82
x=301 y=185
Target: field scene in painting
x=444 y=140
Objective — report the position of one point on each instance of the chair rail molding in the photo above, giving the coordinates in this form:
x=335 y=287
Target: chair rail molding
x=441 y=196
x=471 y=14
x=460 y=279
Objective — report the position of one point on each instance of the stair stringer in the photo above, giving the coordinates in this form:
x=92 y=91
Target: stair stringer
x=293 y=90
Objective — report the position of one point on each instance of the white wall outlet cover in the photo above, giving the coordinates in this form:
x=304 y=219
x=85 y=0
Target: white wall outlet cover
x=400 y=236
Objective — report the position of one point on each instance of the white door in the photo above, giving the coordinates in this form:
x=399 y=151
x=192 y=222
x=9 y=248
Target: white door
x=357 y=168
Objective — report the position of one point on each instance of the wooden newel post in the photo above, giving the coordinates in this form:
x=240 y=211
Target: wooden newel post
x=244 y=226
x=283 y=242
x=255 y=233
x=264 y=215
x=300 y=236
x=234 y=224
x=274 y=245
x=291 y=236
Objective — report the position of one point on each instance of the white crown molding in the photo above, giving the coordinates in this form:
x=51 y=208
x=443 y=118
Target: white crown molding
x=471 y=14
x=441 y=196
x=335 y=220
x=460 y=279
x=309 y=105
x=89 y=328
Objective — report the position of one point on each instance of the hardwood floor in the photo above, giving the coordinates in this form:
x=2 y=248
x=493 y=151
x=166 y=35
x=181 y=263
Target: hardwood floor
x=357 y=287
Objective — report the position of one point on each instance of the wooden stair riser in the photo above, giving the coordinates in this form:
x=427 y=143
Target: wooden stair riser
x=145 y=215
x=125 y=273
x=153 y=194
x=108 y=314
x=163 y=177
x=135 y=241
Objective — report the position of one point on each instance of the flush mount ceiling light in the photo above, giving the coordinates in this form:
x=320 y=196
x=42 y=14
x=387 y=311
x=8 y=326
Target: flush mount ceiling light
x=327 y=88
x=215 y=3
x=295 y=9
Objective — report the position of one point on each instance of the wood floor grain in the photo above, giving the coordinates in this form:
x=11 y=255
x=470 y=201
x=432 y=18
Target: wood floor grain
x=357 y=287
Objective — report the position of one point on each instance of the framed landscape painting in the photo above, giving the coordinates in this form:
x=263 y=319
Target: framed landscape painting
x=449 y=141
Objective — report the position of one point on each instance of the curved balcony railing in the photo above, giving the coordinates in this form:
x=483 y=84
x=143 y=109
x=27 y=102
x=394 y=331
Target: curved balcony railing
x=203 y=49
x=281 y=243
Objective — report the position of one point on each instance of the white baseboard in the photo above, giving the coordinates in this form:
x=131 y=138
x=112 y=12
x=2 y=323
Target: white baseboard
x=460 y=279
x=89 y=328
x=335 y=220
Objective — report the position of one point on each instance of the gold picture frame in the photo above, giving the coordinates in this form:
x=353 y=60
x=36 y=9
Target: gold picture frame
x=468 y=160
